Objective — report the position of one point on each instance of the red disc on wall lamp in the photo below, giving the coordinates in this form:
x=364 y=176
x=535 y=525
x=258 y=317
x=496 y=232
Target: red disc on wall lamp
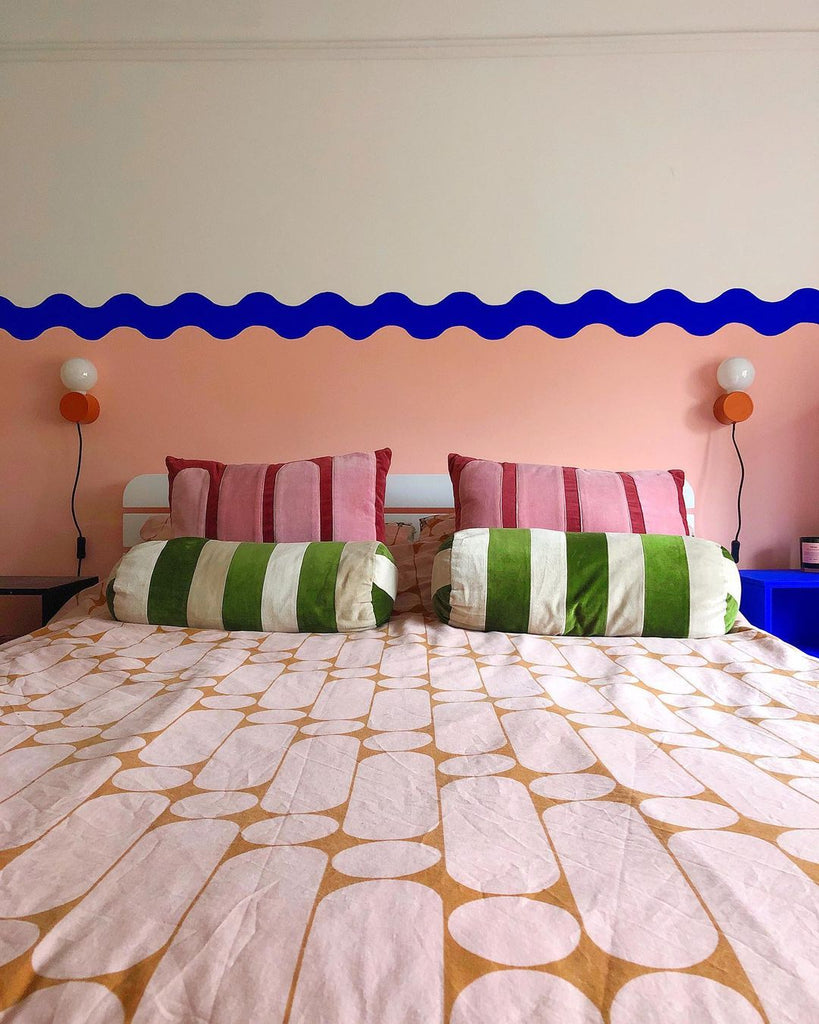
x=79 y=408
x=734 y=407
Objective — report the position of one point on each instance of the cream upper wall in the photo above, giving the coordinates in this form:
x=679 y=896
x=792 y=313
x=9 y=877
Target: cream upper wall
x=649 y=164
x=82 y=20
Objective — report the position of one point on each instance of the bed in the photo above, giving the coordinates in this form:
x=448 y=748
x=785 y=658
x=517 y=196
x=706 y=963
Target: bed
x=414 y=823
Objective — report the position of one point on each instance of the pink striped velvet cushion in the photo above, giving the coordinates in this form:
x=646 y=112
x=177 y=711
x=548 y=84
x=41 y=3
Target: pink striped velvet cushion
x=498 y=494
x=337 y=497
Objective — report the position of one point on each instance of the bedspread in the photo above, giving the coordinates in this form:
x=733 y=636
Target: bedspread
x=413 y=824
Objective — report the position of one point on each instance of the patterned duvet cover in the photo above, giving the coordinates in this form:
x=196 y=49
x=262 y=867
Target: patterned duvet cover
x=413 y=824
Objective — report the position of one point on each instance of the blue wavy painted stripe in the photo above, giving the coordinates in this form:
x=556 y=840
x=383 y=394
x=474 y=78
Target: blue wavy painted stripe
x=460 y=309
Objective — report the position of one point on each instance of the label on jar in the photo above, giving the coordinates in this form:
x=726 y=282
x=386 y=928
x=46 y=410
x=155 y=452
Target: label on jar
x=810 y=552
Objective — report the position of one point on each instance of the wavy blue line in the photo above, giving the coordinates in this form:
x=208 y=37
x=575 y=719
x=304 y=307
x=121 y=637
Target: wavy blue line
x=460 y=309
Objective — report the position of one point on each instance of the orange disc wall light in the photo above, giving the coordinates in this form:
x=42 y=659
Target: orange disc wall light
x=79 y=407
x=735 y=375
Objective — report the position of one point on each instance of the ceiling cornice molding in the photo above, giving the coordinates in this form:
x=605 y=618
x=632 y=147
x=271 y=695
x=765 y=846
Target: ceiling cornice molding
x=411 y=49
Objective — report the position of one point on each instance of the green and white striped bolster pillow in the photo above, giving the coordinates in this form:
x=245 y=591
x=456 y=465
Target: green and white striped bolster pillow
x=585 y=584
x=316 y=587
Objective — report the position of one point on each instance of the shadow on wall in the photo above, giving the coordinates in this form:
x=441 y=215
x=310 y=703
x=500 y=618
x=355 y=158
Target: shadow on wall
x=703 y=388
x=781 y=485
x=805 y=479
x=699 y=419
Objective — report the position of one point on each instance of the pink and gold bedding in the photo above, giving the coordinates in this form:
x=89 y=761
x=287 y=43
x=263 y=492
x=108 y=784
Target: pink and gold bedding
x=415 y=824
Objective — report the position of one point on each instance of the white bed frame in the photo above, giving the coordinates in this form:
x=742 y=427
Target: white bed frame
x=408 y=497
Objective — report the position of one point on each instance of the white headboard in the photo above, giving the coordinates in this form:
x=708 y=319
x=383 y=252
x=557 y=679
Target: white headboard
x=408 y=496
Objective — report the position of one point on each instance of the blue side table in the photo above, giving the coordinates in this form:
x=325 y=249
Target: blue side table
x=784 y=602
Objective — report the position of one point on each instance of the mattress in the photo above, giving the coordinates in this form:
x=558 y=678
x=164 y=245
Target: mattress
x=412 y=824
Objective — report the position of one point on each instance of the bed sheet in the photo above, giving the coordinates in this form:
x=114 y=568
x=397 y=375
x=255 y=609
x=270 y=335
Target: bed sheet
x=412 y=824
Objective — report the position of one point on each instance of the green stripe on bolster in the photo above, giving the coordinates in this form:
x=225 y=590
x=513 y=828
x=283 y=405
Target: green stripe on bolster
x=382 y=549
x=382 y=605
x=442 y=604
x=109 y=597
x=447 y=542
x=587 y=584
x=508 y=583
x=316 y=600
x=731 y=610
x=171 y=581
x=242 y=599
x=667 y=586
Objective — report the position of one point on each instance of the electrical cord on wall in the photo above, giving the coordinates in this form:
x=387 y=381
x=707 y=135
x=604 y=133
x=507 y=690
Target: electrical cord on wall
x=80 y=537
x=735 y=541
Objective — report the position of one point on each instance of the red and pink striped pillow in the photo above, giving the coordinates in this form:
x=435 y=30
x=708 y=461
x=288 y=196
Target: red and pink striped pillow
x=498 y=494
x=337 y=497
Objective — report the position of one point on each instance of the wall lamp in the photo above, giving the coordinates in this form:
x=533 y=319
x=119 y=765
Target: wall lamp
x=80 y=407
x=734 y=406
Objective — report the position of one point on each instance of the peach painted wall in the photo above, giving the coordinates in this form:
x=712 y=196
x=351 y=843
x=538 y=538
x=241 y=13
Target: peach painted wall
x=596 y=400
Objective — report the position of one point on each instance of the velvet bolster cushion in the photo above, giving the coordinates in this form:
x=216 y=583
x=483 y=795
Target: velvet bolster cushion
x=319 y=586
x=585 y=584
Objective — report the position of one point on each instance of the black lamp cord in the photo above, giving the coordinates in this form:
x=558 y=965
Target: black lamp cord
x=735 y=541
x=80 y=537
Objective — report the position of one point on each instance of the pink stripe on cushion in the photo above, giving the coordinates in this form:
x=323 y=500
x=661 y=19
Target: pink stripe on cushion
x=214 y=471
x=240 y=503
x=541 y=502
x=679 y=480
x=296 y=502
x=383 y=458
x=509 y=495
x=268 y=526
x=456 y=464
x=635 y=509
x=659 y=494
x=189 y=502
x=325 y=468
x=574 y=518
x=479 y=491
x=603 y=503
x=353 y=496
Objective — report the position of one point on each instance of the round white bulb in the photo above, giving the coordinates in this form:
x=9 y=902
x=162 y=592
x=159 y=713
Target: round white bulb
x=736 y=374
x=78 y=374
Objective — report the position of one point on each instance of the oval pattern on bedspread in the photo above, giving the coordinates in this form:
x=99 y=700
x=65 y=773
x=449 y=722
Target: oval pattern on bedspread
x=415 y=823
